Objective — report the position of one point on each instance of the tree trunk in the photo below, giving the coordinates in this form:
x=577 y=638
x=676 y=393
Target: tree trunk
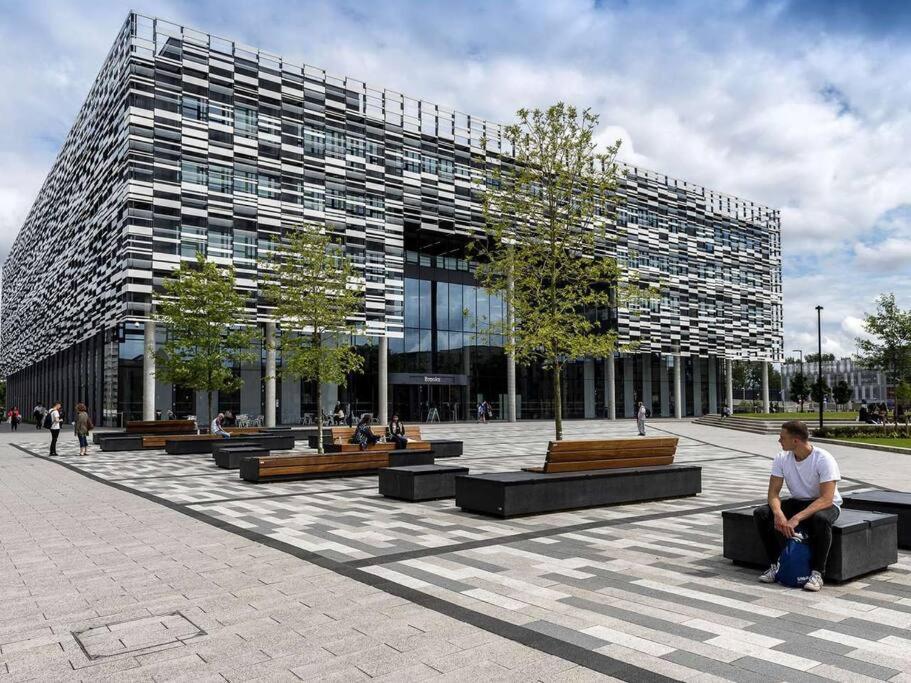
x=209 y=409
x=319 y=400
x=558 y=404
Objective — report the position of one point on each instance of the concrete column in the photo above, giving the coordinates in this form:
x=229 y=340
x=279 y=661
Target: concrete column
x=383 y=380
x=291 y=400
x=678 y=386
x=588 y=387
x=270 y=374
x=664 y=390
x=697 y=386
x=765 y=386
x=148 y=372
x=330 y=397
x=610 y=387
x=647 y=381
x=628 y=387
x=729 y=383
x=713 y=384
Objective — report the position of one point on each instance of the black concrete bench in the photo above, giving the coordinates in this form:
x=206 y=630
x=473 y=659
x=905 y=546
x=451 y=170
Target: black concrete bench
x=312 y=437
x=299 y=433
x=419 y=482
x=120 y=442
x=230 y=457
x=445 y=448
x=862 y=542
x=194 y=446
x=889 y=502
x=508 y=494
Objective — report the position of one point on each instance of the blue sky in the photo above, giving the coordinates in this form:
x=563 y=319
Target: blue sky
x=802 y=106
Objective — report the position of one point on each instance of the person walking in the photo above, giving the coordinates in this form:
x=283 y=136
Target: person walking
x=14 y=418
x=82 y=425
x=640 y=418
x=38 y=415
x=56 y=422
x=218 y=428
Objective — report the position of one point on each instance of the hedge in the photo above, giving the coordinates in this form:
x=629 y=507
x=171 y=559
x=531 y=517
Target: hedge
x=882 y=431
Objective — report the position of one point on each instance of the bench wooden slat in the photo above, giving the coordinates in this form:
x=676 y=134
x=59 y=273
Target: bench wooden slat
x=571 y=456
x=598 y=445
x=347 y=433
x=582 y=465
x=289 y=460
x=380 y=447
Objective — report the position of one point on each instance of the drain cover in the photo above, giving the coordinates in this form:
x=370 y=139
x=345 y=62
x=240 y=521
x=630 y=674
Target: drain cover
x=137 y=635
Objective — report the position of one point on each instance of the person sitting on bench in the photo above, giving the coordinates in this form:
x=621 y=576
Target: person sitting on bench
x=363 y=435
x=812 y=475
x=396 y=432
x=217 y=427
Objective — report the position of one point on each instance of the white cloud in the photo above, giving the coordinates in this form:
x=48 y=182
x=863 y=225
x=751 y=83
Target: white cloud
x=890 y=254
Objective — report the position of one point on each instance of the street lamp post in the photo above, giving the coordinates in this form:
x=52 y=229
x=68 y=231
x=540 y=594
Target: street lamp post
x=819 y=359
x=800 y=351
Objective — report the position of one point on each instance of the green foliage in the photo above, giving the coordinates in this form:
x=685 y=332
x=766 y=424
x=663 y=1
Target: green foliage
x=315 y=293
x=890 y=348
x=820 y=389
x=842 y=392
x=847 y=431
x=545 y=221
x=206 y=335
x=814 y=357
x=799 y=389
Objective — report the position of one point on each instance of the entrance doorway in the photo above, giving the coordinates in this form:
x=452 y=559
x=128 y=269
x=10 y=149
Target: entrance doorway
x=429 y=402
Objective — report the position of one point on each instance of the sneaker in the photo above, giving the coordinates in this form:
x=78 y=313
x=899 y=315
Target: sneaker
x=768 y=576
x=814 y=583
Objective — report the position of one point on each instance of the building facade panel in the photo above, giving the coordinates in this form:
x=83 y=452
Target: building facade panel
x=190 y=143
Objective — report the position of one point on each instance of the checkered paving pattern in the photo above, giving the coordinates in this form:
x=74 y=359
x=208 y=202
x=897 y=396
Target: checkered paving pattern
x=644 y=584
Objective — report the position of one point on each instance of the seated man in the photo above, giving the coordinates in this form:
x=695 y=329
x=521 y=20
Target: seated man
x=396 y=432
x=811 y=474
x=218 y=428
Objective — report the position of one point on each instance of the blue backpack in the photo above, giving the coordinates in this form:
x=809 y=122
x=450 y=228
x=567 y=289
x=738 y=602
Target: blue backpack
x=794 y=563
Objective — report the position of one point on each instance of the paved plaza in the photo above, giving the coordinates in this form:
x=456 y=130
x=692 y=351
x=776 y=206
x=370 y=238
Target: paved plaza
x=147 y=566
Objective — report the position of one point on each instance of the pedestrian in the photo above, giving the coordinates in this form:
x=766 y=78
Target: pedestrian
x=217 y=426
x=82 y=425
x=15 y=418
x=640 y=418
x=38 y=415
x=54 y=425
x=171 y=415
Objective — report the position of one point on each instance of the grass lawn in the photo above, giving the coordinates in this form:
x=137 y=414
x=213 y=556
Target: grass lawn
x=805 y=416
x=878 y=440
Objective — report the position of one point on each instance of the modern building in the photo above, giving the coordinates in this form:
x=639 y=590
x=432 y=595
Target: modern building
x=191 y=143
x=866 y=384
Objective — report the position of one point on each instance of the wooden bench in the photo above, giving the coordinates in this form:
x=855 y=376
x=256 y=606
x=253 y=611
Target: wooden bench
x=597 y=454
x=281 y=467
x=341 y=435
x=862 y=542
x=158 y=441
x=161 y=427
x=581 y=474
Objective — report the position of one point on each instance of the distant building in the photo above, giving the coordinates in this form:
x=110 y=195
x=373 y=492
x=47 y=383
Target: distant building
x=866 y=385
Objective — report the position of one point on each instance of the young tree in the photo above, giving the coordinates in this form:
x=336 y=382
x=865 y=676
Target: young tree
x=889 y=349
x=842 y=393
x=315 y=292
x=799 y=389
x=206 y=332
x=820 y=390
x=545 y=223
x=814 y=357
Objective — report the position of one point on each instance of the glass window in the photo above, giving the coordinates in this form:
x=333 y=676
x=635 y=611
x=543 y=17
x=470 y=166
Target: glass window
x=245 y=181
x=442 y=305
x=193 y=108
x=411 y=302
x=245 y=245
x=245 y=121
x=483 y=310
x=412 y=341
x=424 y=301
x=455 y=306
x=193 y=172
x=220 y=179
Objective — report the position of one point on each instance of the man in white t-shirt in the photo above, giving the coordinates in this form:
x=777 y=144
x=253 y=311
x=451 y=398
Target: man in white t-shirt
x=811 y=475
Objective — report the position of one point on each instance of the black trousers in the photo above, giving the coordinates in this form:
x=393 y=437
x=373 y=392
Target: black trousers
x=400 y=441
x=818 y=528
x=54 y=434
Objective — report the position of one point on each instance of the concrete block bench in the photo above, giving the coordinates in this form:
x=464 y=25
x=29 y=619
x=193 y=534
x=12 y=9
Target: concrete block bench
x=230 y=457
x=419 y=482
x=187 y=446
x=508 y=494
x=120 y=442
x=862 y=542
x=445 y=448
x=889 y=502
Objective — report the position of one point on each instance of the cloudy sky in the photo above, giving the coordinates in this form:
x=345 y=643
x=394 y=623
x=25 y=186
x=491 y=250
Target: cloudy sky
x=799 y=105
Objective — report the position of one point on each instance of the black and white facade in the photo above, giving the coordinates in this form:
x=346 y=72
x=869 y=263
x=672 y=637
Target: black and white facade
x=191 y=143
